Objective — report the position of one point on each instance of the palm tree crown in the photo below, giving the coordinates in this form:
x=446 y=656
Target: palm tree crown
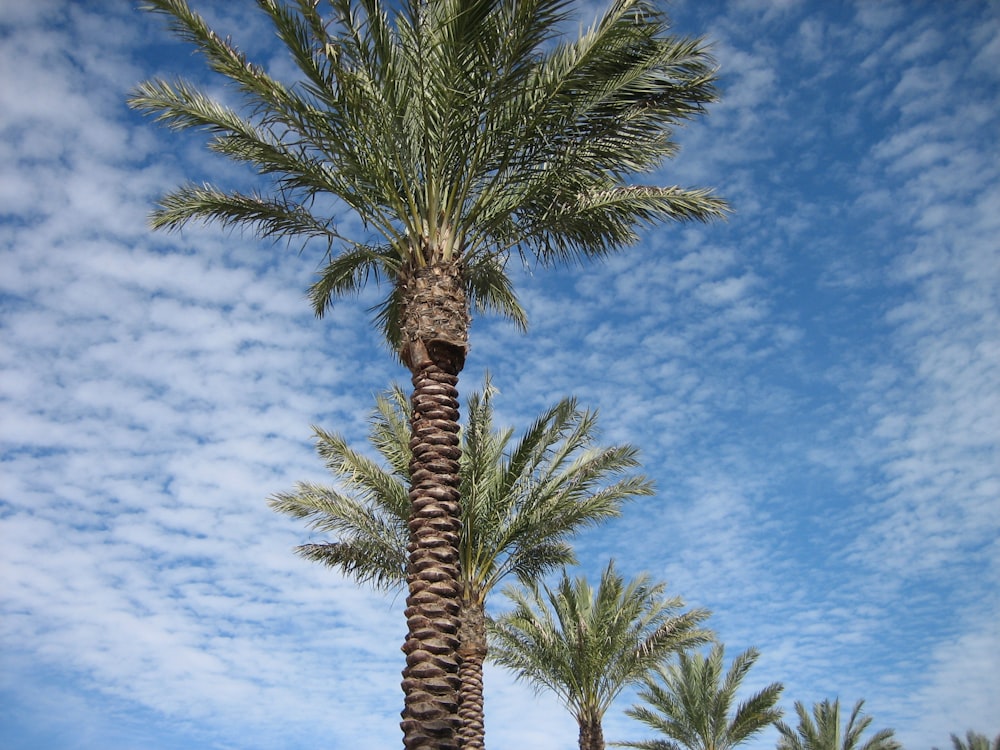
x=691 y=703
x=456 y=130
x=822 y=730
x=587 y=646
x=522 y=500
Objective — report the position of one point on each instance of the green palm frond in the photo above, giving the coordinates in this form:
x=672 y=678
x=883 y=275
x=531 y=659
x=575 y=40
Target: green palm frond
x=596 y=105
x=349 y=271
x=374 y=564
x=372 y=546
x=389 y=431
x=535 y=560
x=366 y=479
x=586 y=646
x=490 y=290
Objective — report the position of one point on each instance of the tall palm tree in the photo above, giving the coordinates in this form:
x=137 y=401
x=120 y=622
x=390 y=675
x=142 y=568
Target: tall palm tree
x=522 y=500
x=822 y=730
x=691 y=703
x=458 y=132
x=588 y=646
x=975 y=741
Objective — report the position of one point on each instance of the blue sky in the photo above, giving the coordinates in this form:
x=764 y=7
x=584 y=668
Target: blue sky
x=814 y=385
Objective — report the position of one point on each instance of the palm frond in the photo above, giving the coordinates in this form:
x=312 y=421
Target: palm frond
x=362 y=532
x=349 y=271
x=389 y=431
x=271 y=217
x=490 y=290
x=366 y=479
x=376 y=565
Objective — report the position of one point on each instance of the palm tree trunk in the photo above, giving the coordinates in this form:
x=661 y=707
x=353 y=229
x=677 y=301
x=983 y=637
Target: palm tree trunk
x=435 y=328
x=591 y=734
x=472 y=650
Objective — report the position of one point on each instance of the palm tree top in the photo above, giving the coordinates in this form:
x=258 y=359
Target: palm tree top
x=457 y=130
x=586 y=646
x=822 y=730
x=974 y=741
x=691 y=702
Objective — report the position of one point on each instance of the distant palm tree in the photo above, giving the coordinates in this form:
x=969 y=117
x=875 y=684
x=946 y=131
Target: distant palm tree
x=457 y=133
x=522 y=500
x=588 y=646
x=974 y=741
x=825 y=732
x=691 y=703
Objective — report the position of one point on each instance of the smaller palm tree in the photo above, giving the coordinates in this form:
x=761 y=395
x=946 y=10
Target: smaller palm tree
x=974 y=741
x=690 y=705
x=587 y=646
x=821 y=731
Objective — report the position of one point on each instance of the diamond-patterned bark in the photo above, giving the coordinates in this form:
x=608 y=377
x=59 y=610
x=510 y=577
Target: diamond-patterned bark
x=472 y=649
x=435 y=328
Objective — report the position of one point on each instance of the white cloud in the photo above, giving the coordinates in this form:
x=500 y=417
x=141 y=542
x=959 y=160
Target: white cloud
x=968 y=659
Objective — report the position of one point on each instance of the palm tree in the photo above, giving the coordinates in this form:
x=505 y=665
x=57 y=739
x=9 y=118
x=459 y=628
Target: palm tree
x=586 y=647
x=974 y=741
x=690 y=706
x=521 y=501
x=822 y=730
x=458 y=132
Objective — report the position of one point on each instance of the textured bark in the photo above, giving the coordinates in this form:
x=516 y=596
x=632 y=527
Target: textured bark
x=472 y=650
x=591 y=734
x=435 y=317
x=435 y=327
